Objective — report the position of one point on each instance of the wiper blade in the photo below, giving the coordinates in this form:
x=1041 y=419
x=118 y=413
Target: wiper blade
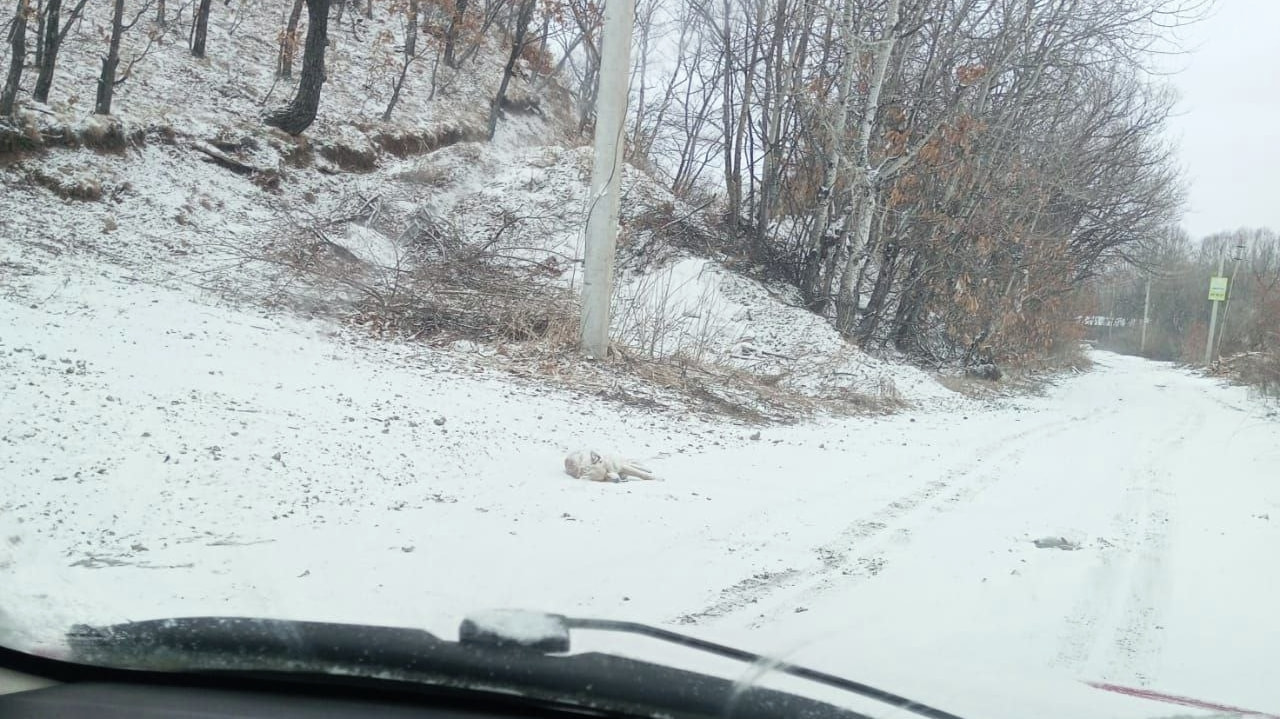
x=601 y=682
x=233 y=640
x=477 y=633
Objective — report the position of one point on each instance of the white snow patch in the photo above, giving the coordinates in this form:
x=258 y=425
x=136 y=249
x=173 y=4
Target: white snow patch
x=373 y=247
x=520 y=626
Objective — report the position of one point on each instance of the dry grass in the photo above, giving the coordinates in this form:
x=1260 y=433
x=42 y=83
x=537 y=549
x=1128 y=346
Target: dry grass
x=27 y=131
x=524 y=323
x=66 y=184
x=1258 y=370
x=467 y=298
x=434 y=176
x=1017 y=380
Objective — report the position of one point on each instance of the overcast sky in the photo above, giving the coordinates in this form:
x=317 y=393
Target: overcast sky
x=1228 y=126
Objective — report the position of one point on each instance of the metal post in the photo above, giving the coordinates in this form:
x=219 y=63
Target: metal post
x=1213 y=318
x=1146 y=316
x=606 y=176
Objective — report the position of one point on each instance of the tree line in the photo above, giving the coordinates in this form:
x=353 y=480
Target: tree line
x=1178 y=271
x=37 y=29
x=935 y=176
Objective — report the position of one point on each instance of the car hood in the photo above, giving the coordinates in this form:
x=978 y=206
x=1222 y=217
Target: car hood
x=961 y=689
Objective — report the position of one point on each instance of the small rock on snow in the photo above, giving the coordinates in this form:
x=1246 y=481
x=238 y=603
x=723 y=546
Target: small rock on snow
x=1056 y=543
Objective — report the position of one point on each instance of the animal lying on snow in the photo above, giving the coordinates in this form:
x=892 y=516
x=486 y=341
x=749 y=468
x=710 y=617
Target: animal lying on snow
x=589 y=464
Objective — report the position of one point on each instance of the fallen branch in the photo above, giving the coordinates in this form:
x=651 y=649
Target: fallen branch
x=221 y=158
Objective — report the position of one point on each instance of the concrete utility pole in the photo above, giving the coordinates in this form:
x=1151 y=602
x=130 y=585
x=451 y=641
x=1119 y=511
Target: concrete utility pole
x=1213 y=315
x=606 y=176
x=1146 y=317
x=1231 y=288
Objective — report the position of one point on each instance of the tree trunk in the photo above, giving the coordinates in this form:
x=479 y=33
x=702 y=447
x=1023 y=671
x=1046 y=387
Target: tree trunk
x=451 y=35
x=851 y=295
x=49 y=56
x=815 y=256
x=161 y=19
x=786 y=74
x=732 y=184
x=741 y=142
x=879 y=295
x=289 y=43
x=865 y=184
x=301 y=112
x=39 y=16
x=637 y=145
x=517 y=45
x=410 y=54
x=838 y=250
x=107 y=80
x=906 y=318
x=848 y=297
x=201 y=29
x=17 y=57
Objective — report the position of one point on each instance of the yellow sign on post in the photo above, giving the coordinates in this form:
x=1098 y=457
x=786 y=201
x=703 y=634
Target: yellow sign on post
x=1217 y=289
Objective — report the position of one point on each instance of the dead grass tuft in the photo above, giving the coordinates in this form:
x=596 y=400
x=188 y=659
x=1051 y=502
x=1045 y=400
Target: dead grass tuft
x=348 y=157
x=65 y=184
x=434 y=176
x=1259 y=370
x=107 y=133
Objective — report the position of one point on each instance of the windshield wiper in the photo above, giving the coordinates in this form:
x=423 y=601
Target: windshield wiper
x=477 y=632
x=505 y=652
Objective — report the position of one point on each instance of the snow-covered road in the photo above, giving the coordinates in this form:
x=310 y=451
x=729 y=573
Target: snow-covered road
x=164 y=457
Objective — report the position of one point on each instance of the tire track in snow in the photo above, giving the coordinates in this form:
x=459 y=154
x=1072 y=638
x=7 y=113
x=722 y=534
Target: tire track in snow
x=847 y=558
x=1118 y=637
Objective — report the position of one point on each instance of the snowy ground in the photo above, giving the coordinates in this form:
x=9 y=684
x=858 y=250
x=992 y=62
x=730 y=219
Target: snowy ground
x=163 y=456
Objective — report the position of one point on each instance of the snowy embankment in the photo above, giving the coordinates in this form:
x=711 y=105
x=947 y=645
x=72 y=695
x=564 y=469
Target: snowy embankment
x=167 y=217
x=200 y=191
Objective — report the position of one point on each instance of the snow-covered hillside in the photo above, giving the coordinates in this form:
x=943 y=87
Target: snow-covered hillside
x=201 y=194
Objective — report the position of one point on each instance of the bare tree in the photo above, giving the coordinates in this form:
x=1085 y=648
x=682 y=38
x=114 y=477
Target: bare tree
x=456 y=21
x=289 y=43
x=107 y=78
x=410 y=54
x=520 y=30
x=298 y=115
x=48 y=41
x=17 y=58
x=54 y=31
x=200 y=28
x=589 y=19
x=942 y=171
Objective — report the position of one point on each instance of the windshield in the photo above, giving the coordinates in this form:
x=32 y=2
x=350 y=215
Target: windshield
x=929 y=344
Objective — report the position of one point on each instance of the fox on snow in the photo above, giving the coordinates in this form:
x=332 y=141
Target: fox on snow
x=589 y=464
